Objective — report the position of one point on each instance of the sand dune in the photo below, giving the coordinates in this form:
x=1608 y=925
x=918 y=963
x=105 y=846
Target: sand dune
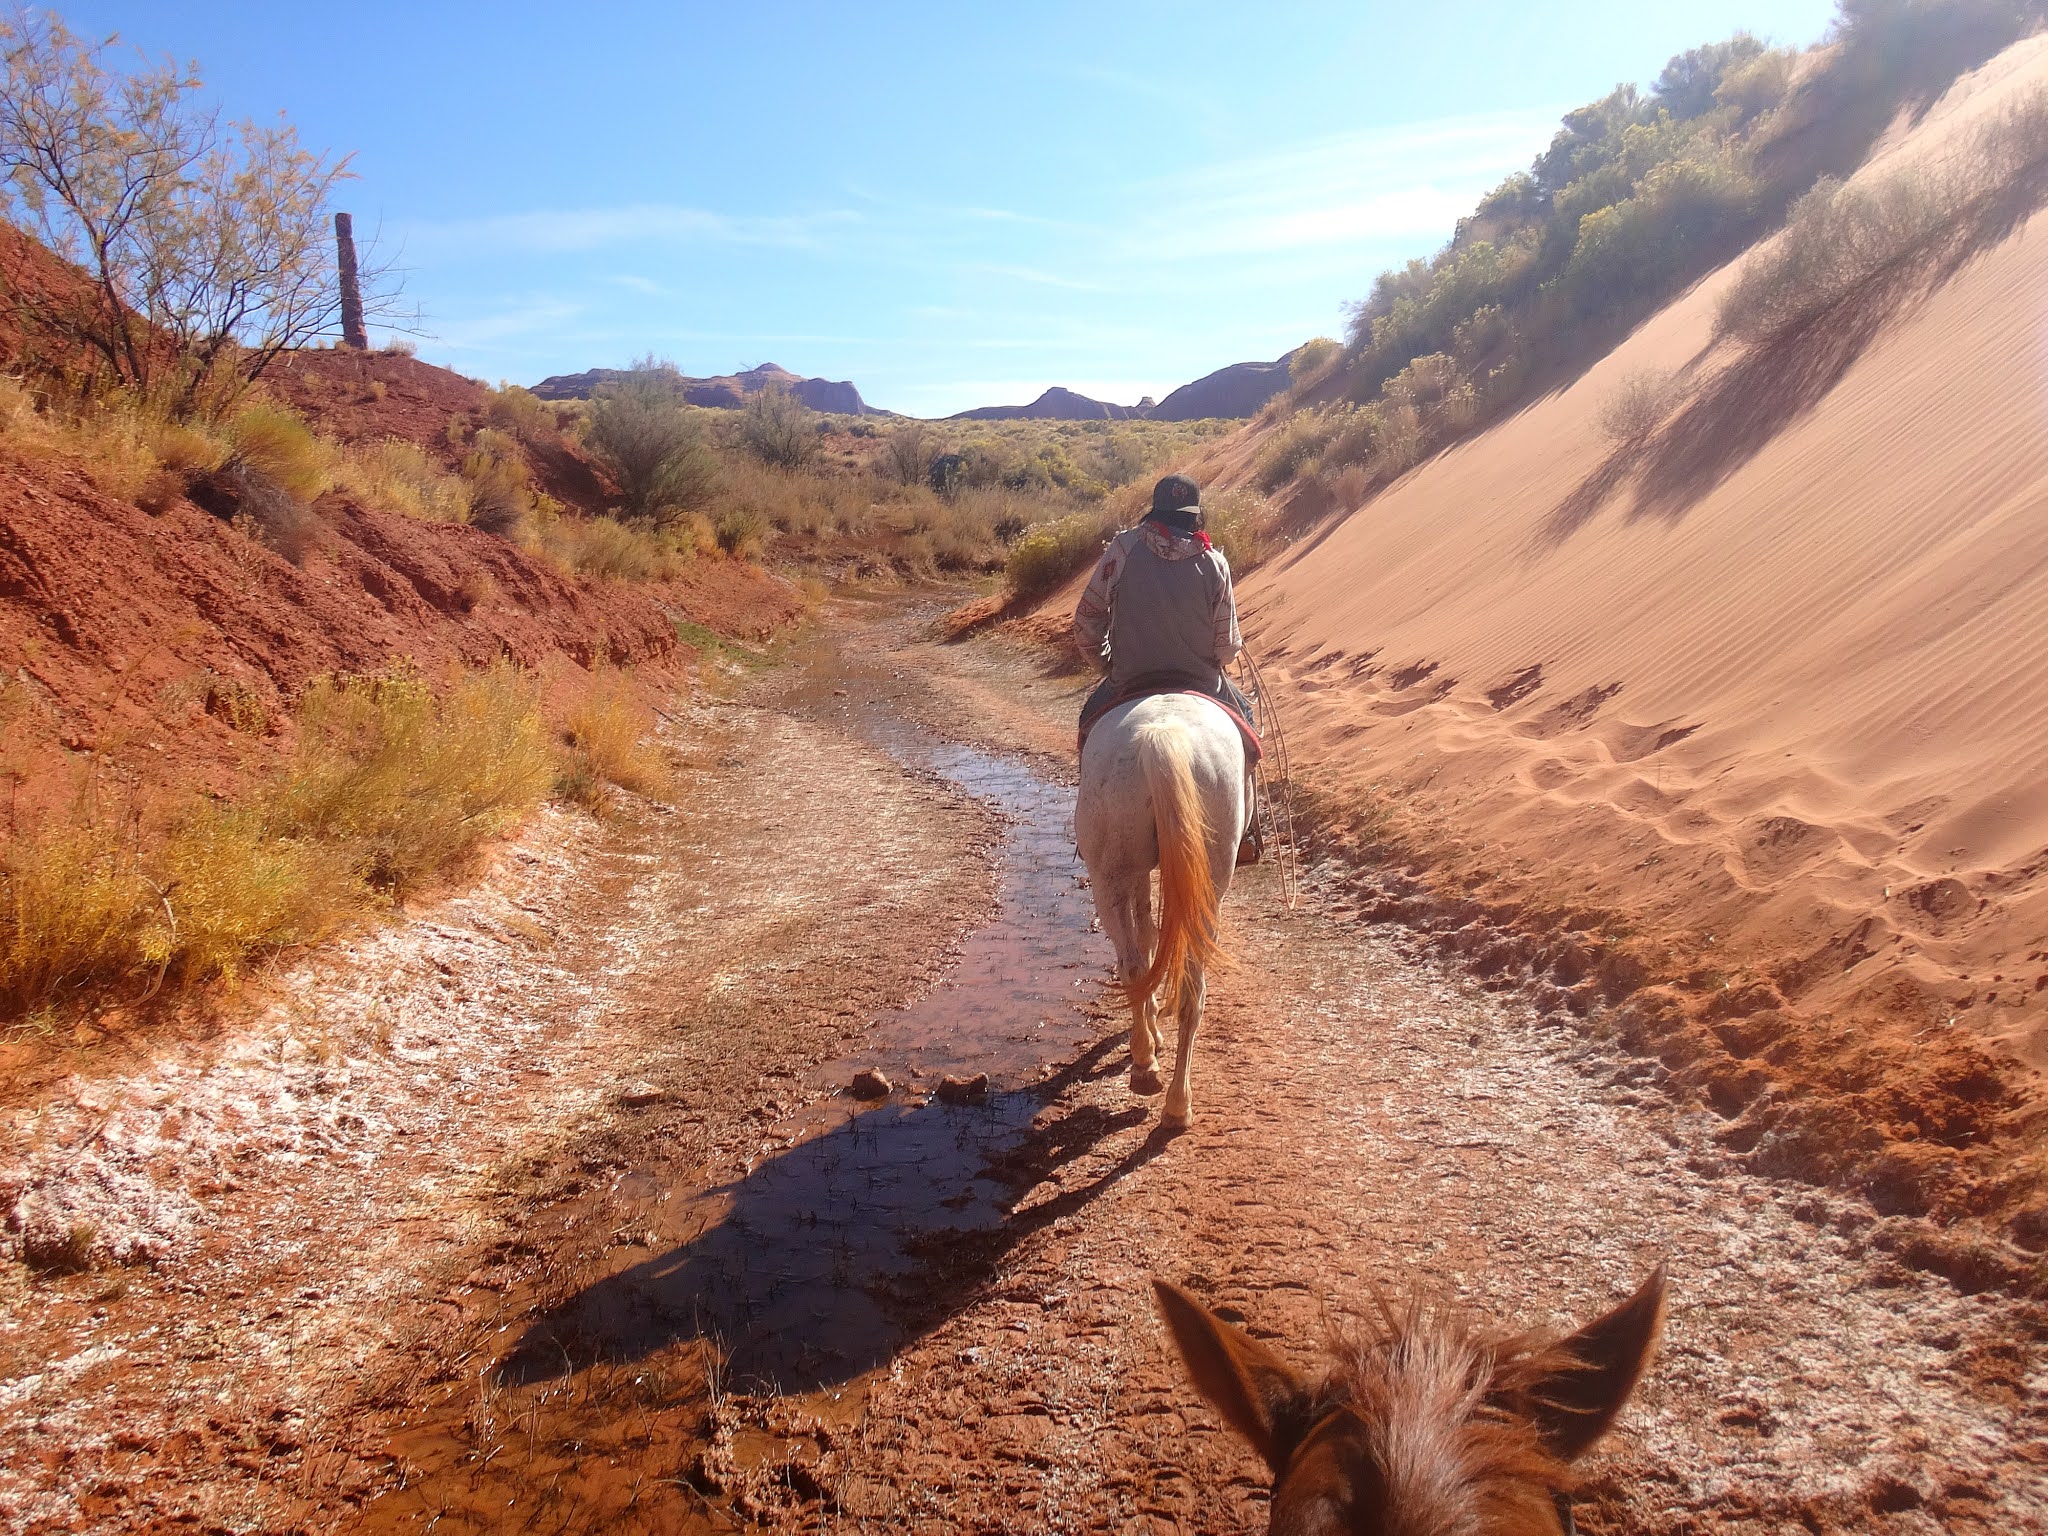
x=1778 y=681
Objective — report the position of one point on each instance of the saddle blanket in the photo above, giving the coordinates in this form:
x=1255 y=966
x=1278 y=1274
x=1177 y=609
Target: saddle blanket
x=1253 y=750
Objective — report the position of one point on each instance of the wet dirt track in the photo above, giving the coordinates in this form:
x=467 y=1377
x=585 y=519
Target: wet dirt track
x=658 y=1274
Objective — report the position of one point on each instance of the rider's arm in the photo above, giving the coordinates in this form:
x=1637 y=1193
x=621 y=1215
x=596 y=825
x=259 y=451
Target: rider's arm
x=1228 y=641
x=1091 y=614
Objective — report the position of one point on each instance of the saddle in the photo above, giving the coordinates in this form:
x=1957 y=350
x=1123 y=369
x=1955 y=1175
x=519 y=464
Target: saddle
x=1157 y=683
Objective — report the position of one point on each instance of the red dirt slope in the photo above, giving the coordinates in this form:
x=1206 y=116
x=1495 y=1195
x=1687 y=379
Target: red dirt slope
x=158 y=647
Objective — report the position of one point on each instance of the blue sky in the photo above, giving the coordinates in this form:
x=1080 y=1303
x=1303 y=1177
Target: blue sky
x=950 y=205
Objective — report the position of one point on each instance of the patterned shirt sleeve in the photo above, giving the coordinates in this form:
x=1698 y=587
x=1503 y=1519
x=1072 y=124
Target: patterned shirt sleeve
x=1091 y=614
x=1228 y=641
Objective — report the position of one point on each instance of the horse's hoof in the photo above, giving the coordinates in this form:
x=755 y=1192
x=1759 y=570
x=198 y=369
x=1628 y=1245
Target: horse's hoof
x=1177 y=1119
x=1145 y=1081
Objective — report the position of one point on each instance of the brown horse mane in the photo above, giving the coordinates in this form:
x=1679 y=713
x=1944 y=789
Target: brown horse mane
x=1447 y=1404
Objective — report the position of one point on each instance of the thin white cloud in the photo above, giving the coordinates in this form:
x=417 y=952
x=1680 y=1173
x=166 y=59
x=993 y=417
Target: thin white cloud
x=541 y=315
x=1409 y=181
x=1037 y=277
x=646 y=285
x=590 y=229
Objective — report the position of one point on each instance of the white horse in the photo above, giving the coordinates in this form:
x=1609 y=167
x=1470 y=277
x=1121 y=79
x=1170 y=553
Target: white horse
x=1162 y=787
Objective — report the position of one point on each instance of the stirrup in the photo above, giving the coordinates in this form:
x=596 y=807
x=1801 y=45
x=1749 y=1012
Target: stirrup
x=1252 y=846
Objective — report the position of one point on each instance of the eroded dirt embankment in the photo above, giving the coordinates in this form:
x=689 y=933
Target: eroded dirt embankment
x=636 y=1267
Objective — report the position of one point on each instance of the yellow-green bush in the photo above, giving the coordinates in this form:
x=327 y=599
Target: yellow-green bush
x=274 y=441
x=607 y=733
x=391 y=785
x=1235 y=522
x=393 y=475
x=71 y=905
x=1051 y=552
x=1295 y=446
x=230 y=888
x=409 y=782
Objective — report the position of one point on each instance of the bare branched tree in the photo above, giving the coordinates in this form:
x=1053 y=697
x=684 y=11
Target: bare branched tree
x=204 y=246
x=908 y=452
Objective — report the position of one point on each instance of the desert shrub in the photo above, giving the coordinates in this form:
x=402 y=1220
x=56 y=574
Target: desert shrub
x=1294 y=447
x=390 y=785
x=1356 y=433
x=602 y=547
x=71 y=904
x=1639 y=405
x=1052 y=552
x=204 y=244
x=1313 y=359
x=128 y=447
x=393 y=475
x=244 y=496
x=400 y=346
x=500 y=489
x=1480 y=335
x=779 y=429
x=283 y=448
x=1691 y=82
x=1840 y=237
x=607 y=737
x=907 y=452
x=1236 y=524
x=229 y=888
x=1441 y=396
x=640 y=429
x=409 y=782
x=1398 y=443
x=1759 y=84
x=520 y=412
x=740 y=531
x=1645 y=242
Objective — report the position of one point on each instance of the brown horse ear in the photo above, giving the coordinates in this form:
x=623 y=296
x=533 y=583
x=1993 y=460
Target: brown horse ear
x=1256 y=1391
x=1575 y=1405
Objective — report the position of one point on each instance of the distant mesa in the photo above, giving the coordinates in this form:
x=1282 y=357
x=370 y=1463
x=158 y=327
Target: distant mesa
x=1233 y=392
x=1236 y=391
x=725 y=392
x=1056 y=404
x=1239 y=390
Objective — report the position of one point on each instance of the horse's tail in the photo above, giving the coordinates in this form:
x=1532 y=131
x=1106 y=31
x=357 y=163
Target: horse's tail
x=1188 y=901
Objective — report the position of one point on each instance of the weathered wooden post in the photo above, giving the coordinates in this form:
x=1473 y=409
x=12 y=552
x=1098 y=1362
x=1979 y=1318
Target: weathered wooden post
x=352 y=332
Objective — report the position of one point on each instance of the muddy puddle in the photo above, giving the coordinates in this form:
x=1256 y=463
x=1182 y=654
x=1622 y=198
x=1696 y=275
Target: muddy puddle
x=805 y=1272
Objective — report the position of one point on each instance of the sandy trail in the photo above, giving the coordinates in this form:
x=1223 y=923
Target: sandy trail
x=584 y=1320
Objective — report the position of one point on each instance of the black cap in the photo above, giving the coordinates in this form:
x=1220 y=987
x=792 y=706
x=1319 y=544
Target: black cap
x=1175 y=493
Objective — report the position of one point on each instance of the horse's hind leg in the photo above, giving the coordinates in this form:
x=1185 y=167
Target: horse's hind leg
x=1180 y=1098
x=1129 y=921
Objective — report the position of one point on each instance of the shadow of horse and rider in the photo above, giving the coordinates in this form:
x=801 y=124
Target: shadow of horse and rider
x=828 y=1257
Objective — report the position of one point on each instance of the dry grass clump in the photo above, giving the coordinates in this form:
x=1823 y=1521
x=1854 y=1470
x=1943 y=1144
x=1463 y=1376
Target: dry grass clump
x=1639 y=405
x=1295 y=447
x=1051 y=552
x=607 y=735
x=393 y=475
x=1236 y=524
x=607 y=548
x=126 y=446
x=779 y=429
x=283 y=449
x=499 y=485
x=71 y=902
x=392 y=785
x=409 y=783
x=228 y=887
x=1842 y=236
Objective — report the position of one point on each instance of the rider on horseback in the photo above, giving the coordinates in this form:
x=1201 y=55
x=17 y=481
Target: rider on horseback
x=1161 y=610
